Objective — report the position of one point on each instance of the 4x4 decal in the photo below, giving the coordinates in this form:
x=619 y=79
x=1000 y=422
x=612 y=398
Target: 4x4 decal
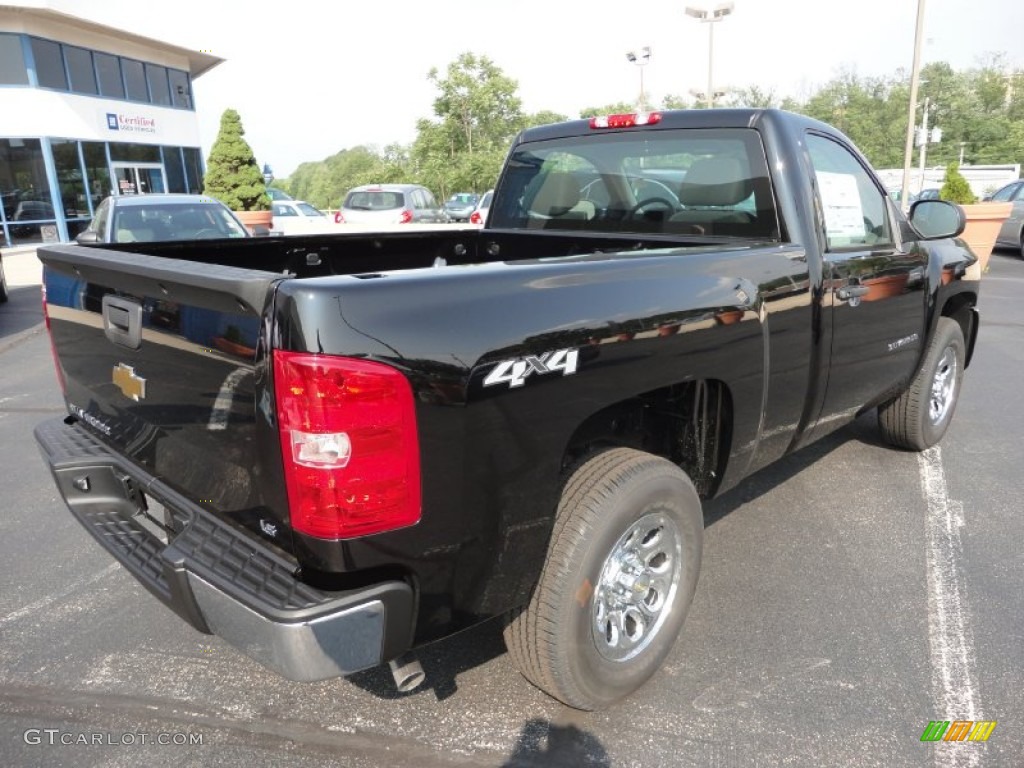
x=515 y=372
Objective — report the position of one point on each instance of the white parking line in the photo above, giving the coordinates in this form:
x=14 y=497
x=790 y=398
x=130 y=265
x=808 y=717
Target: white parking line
x=949 y=630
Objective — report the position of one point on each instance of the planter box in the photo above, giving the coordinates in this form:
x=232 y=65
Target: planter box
x=983 y=223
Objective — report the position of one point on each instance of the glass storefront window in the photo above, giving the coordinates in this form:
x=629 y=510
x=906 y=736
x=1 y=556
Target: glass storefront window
x=109 y=69
x=69 y=178
x=25 y=191
x=83 y=77
x=141 y=153
x=193 y=170
x=174 y=169
x=97 y=171
x=12 y=61
x=135 y=80
x=157 y=79
x=181 y=94
x=49 y=64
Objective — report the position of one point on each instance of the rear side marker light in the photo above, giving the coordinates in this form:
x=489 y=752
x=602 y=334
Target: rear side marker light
x=349 y=444
x=626 y=121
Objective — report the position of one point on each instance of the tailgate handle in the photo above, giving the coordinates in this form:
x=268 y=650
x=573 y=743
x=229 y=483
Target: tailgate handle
x=122 y=321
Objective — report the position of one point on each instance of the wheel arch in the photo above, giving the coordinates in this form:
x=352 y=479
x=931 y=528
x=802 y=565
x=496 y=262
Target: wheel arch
x=961 y=308
x=690 y=423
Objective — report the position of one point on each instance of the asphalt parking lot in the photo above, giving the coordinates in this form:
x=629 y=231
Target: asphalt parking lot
x=849 y=595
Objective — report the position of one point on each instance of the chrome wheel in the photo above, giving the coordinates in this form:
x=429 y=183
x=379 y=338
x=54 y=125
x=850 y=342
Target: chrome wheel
x=943 y=386
x=638 y=582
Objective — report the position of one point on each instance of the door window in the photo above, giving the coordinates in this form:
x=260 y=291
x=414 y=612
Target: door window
x=855 y=211
x=1007 y=193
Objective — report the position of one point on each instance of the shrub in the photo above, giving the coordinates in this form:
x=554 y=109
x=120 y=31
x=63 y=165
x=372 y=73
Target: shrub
x=232 y=174
x=955 y=187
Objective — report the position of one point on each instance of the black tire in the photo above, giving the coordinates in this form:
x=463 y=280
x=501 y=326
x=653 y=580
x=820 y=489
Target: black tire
x=554 y=640
x=3 y=283
x=915 y=420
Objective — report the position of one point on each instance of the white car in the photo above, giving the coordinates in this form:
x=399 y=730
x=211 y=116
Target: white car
x=297 y=217
x=479 y=216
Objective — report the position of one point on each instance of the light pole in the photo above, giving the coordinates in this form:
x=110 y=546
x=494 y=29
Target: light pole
x=641 y=60
x=915 y=77
x=710 y=17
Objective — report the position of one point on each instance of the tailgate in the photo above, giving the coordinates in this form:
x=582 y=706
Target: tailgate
x=162 y=359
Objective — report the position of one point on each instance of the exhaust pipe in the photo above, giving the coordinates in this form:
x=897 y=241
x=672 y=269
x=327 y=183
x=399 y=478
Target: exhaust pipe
x=407 y=672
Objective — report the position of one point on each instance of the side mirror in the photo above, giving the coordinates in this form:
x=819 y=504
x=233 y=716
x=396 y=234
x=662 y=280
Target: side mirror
x=937 y=219
x=88 y=237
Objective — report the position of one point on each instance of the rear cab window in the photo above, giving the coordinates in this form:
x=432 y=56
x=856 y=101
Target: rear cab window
x=374 y=200
x=705 y=182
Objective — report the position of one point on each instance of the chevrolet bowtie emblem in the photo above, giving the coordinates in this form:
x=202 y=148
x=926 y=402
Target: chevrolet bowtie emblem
x=131 y=385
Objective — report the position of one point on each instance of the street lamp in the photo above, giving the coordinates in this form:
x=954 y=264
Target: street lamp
x=700 y=95
x=268 y=174
x=710 y=16
x=641 y=61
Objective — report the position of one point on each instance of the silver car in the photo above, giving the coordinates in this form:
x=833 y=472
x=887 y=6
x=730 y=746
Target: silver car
x=1011 y=235
x=391 y=204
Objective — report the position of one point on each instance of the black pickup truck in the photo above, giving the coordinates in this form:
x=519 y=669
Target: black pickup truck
x=330 y=450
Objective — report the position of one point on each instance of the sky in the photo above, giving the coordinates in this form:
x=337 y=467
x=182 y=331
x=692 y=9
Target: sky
x=311 y=78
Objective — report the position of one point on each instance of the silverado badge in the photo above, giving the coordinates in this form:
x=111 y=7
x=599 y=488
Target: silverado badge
x=131 y=385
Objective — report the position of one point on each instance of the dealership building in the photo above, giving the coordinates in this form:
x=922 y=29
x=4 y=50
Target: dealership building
x=87 y=111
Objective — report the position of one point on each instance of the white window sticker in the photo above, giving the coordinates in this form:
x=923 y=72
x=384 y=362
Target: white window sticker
x=844 y=214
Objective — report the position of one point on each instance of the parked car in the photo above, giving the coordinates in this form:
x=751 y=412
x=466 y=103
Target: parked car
x=479 y=216
x=932 y=193
x=390 y=204
x=461 y=205
x=1011 y=234
x=145 y=218
x=294 y=217
x=426 y=430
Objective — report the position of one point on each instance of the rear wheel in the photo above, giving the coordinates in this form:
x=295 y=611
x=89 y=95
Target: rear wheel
x=620 y=575
x=919 y=417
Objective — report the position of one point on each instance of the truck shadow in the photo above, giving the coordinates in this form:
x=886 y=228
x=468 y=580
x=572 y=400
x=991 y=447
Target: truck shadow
x=442 y=661
x=863 y=430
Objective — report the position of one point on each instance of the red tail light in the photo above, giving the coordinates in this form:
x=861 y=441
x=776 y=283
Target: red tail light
x=476 y=218
x=53 y=348
x=625 y=121
x=338 y=218
x=405 y=218
x=349 y=443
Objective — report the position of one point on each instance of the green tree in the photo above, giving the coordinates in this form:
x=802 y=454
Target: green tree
x=615 y=108
x=232 y=174
x=477 y=104
x=955 y=187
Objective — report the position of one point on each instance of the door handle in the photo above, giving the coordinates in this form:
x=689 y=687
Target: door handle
x=852 y=292
x=122 y=321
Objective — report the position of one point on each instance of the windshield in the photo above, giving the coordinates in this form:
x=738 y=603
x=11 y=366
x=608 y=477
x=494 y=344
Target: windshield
x=309 y=210
x=708 y=182
x=196 y=221
x=374 y=200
